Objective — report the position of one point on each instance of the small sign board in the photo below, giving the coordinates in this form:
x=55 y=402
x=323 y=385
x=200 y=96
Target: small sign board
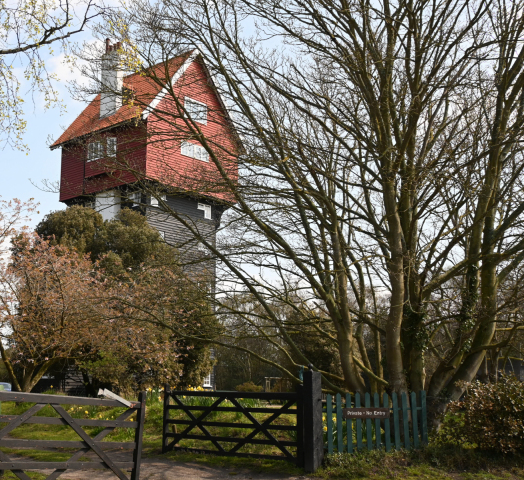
x=373 y=412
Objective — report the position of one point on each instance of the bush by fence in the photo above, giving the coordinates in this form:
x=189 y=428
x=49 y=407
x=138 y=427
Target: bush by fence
x=490 y=417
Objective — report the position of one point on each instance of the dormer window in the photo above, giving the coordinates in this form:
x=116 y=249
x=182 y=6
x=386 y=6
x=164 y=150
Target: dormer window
x=192 y=150
x=101 y=149
x=197 y=111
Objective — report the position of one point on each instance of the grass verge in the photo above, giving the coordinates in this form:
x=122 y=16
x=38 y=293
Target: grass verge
x=433 y=462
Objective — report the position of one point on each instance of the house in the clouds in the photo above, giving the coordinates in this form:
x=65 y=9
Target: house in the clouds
x=151 y=141
x=154 y=141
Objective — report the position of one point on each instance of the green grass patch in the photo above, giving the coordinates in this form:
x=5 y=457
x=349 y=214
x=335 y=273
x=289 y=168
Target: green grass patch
x=256 y=465
x=8 y=475
x=59 y=455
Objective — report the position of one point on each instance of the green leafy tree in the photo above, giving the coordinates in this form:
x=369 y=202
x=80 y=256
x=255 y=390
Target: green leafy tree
x=151 y=291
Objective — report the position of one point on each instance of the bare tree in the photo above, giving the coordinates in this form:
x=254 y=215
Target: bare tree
x=381 y=171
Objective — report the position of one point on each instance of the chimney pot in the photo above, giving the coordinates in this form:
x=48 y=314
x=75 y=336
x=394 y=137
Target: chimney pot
x=108 y=45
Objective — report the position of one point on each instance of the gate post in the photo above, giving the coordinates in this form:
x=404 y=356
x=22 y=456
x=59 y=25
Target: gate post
x=313 y=437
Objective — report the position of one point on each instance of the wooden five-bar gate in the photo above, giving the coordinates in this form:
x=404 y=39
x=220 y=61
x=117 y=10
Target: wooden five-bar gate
x=406 y=426
x=85 y=445
x=283 y=415
x=287 y=426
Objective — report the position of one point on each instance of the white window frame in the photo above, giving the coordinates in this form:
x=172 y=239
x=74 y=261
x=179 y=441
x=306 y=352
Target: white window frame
x=195 y=151
x=111 y=147
x=154 y=201
x=101 y=148
x=207 y=380
x=195 y=115
x=207 y=210
x=162 y=234
x=95 y=151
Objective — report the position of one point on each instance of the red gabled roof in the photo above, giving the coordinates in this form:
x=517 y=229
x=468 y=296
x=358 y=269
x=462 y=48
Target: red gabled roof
x=145 y=90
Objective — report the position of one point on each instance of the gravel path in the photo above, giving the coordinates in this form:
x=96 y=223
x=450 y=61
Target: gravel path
x=165 y=469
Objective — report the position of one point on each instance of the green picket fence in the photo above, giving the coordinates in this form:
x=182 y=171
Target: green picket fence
x=407 y=426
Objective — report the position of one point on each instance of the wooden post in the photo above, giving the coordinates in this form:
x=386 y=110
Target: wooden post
x=313 y=435
x=137 y=453
x=165 y=424
x=378 y=432
x=369 y=433
x=396 y=422
x=387 y=431
x=405 y=420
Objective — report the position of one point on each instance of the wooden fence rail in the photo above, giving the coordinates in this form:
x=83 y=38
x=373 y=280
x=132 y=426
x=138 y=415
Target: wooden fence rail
x=405 y=428
x=85 y=444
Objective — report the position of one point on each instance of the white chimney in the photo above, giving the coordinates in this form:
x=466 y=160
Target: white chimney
x=112 y=80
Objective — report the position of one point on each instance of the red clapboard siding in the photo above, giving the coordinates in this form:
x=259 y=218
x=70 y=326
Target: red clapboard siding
x=103 y=174
x=165 y=162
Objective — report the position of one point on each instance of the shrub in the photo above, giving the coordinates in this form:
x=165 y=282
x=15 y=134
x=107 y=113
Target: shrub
x=248 y=387
x=490 y=417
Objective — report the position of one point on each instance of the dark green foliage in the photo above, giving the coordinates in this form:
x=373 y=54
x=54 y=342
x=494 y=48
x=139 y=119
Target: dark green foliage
x=123 y=244
x=76 y=227
x=490 y=417
x=248 y=387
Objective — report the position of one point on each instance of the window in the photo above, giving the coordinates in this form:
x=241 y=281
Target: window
x=95 y=150
x=135 y=197
x=99 y=149
x=194 y=151
x=154 y=200
x=162 y=234
x=111 y=146
x=207 y=210
x=197 y=111
x=207 y=381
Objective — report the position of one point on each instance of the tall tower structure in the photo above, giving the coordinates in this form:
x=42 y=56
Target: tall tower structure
x=151 y=142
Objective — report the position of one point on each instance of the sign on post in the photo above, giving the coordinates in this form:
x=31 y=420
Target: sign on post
x=376 y=412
